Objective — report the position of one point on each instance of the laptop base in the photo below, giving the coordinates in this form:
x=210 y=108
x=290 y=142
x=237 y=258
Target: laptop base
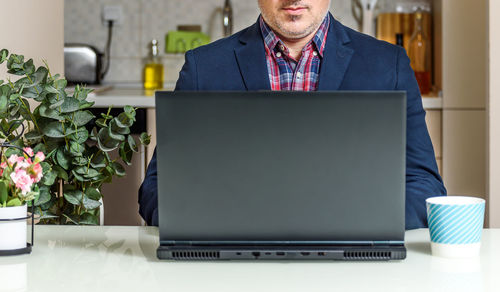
x=345 y=253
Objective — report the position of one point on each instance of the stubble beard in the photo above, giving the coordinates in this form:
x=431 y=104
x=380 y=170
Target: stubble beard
x=281 y=28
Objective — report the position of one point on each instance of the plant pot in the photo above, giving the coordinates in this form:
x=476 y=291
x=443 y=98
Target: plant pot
x=13 y=233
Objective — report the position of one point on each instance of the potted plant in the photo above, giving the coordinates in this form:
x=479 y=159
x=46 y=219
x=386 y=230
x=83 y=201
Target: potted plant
x=19 y=179
x=77 y=156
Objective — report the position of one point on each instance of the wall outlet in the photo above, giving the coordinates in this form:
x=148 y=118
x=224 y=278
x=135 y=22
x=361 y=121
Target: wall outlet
x=112 y=13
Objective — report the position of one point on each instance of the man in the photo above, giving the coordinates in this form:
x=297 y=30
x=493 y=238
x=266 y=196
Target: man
x=298 y=45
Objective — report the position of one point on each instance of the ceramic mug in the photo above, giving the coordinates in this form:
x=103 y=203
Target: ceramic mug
x=455 y=225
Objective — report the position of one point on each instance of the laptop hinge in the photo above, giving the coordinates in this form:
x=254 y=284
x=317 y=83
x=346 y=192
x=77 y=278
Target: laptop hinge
x=389 y=242
x=191 y=243
x=175 y=242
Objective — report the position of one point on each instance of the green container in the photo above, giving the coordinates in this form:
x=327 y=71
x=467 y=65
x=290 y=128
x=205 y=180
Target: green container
x=182 y=41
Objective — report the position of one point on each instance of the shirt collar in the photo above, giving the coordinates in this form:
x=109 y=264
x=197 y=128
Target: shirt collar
x=272 y=41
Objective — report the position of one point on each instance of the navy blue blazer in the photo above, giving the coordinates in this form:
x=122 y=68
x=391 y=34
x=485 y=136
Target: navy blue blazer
x=351 y=61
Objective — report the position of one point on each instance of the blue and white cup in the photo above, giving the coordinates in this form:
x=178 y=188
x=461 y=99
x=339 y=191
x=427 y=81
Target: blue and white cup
x=455 y=225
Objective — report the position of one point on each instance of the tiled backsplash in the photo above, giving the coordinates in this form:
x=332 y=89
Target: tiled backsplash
x=144 y=20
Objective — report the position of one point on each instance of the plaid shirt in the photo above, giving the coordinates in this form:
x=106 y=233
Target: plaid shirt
x=285 y=73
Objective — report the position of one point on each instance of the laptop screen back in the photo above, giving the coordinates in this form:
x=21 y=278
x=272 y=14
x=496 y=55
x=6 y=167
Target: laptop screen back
x=281 y=166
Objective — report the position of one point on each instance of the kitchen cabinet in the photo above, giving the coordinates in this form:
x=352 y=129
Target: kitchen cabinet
x=433 y=119
x=493 y=115
x=464 y=76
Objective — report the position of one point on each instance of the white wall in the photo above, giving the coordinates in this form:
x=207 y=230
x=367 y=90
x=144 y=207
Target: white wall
x=494 y=114
x=35 y=29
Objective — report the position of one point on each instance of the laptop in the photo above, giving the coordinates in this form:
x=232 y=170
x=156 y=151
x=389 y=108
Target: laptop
x=281 y=175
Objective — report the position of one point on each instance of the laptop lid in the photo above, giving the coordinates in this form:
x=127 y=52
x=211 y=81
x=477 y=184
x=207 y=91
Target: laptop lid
x=281 y=167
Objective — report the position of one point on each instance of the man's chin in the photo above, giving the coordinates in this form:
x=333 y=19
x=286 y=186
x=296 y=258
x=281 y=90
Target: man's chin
x=294 y=32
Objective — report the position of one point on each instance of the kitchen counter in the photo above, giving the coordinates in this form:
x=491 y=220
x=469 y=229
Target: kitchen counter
x=111 y=258
x=121 y=96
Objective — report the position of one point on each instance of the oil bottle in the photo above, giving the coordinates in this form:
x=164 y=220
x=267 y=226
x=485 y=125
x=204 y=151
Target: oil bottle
x=419 y=50
x=152 y=74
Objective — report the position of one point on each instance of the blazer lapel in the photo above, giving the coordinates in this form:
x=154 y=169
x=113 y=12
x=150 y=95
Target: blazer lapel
x=336 y=57
x=251 y=58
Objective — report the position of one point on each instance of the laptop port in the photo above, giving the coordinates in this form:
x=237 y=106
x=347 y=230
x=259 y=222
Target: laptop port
x=305 y=253
x=280 y=253
x=256 y=254
x=238 y=253
x=267 y=253
x=321 y=254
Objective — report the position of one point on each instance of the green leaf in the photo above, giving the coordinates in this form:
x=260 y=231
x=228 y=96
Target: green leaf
x=51 y=89
x=76 y=149
x=145 y=138
x=85 y=105
x=4 y=192
x=25 y=109
x=61 y=83
x=90 y=204
x=62 y=158
x=106 y=116
x=126 y=153
x=61 y=173
x=55 y=130
x=45 y=167
x=46 y=215
x=74 y=197
x=80 y=136
x=79 y=161
x=101 y=123
x=40 y=76
x=115 y=136
x=86 y=172
x=3 y=103
x=89 y=219
x=44 y=196
x=70 y=104
x=79 y=177
x=131 y=143
x=114 y=127
x=98 y=161
x=29 y=68
x=81 y=118
x=130 y=110
x=33 y=135
x=124 y=120
x=71 y=219
x=105 y=142
x=32 y=92
x=14 y=203
x=47 y=112
x=49 y=178
x=40 y=148
x=93 y=134
x=81 y=93
x=119 y=169
x=4 y=53
x=93 y=193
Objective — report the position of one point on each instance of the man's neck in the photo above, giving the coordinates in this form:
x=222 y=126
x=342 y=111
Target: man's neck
x=295 y=46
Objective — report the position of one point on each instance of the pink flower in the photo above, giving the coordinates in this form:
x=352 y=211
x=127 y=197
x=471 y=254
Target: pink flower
x=39 y=157
x=12 y=159
x=3 y=165
x=29 y=151
x=22 y=163
x=22 y=180
x=36 y=173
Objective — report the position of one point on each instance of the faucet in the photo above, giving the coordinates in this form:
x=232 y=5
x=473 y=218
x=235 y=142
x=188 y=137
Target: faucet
x=227 y=18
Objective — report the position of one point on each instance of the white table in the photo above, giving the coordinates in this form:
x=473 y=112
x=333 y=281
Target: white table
x=74 y=258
